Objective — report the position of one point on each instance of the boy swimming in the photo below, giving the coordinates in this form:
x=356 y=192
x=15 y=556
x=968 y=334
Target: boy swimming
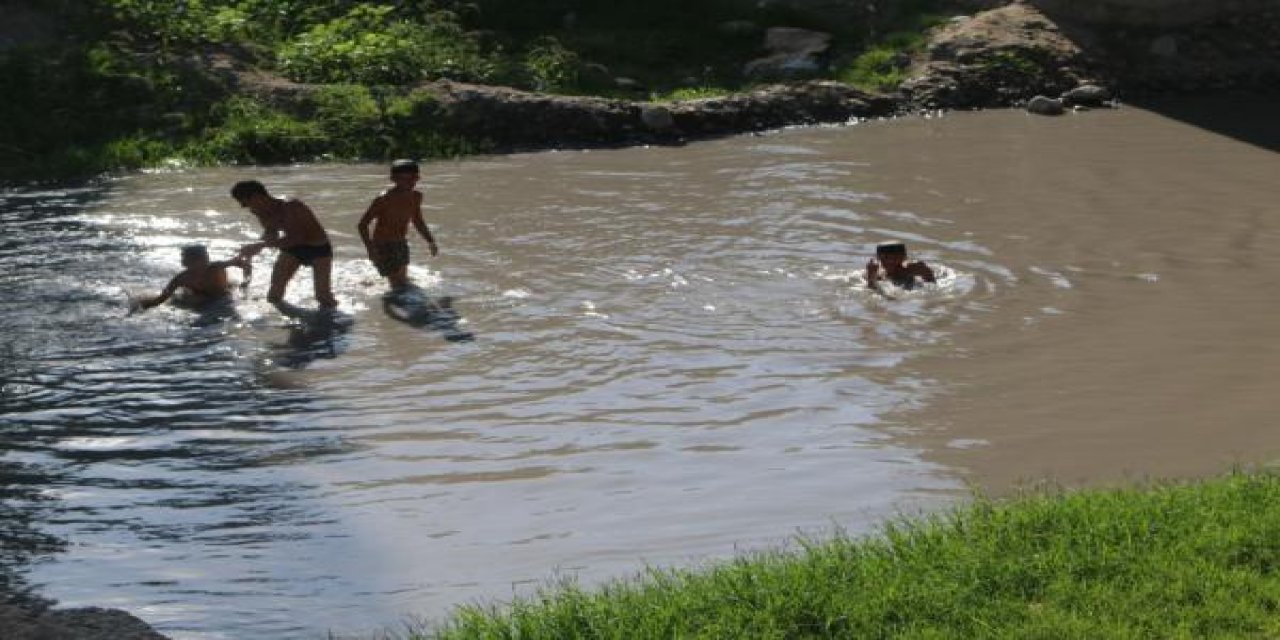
x=201 y=281
x=891 y=264
x=390 y=214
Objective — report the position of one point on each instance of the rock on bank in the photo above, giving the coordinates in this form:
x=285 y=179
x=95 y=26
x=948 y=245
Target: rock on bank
x=89 y=623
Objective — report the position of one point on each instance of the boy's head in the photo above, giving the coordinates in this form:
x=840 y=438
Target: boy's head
x=404 y=173
x=891 y=253
x=246 y=191
x=195 y=255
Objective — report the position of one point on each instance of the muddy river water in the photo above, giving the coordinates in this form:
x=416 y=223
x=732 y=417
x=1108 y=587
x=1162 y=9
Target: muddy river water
x=647 y=356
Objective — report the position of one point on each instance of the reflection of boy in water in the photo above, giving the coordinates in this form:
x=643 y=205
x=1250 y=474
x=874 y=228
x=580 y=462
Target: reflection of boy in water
x=391 y=213
x=290 y=226
x=891 y=264
x=202 y=280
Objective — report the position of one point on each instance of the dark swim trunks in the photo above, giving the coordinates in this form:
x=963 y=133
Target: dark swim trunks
x=390 y=256
x=309 y=253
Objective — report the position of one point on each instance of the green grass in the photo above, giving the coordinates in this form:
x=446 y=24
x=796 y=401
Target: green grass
x=690 y=93
x=1171 y=561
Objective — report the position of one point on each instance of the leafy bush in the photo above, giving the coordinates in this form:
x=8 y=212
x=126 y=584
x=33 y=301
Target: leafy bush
x=879 y=69
x=370 y=45
x=254 y=133
x=550 y=66
x=416 y=131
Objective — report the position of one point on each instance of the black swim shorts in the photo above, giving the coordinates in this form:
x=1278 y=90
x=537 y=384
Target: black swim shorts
x=309 y=253
x=390 y=256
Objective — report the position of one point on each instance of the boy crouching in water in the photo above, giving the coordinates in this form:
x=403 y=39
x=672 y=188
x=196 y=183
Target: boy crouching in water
x=891 y=264
x=390 y=215
x=203 y=282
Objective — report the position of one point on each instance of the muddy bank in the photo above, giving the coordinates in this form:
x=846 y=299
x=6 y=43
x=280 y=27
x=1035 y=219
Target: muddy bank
x=1000 y=57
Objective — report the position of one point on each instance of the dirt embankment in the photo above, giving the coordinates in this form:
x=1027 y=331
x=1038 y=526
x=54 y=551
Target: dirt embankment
x=1000 y=57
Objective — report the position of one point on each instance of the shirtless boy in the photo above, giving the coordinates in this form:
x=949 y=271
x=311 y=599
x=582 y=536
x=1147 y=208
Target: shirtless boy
x=202 y=280
x=891 y=264
x=290 y=226
x=390 y=215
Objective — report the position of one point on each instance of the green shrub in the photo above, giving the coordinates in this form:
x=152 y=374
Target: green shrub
x=550 y=66
x=370 y=45
x=417 y=130
x=352 y=118
x=256 y=134
x=878 y=69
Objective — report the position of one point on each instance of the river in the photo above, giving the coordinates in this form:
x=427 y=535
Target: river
x=647 y=356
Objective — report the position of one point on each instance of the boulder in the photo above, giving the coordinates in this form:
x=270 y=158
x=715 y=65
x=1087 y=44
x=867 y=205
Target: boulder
x=793 y=53
x=1087 y=95
x=996 y=58
x=88 y=623
x=782 y=66
x=657 y=118
x=790 y=40
x=1045 y=106
x=629 y=84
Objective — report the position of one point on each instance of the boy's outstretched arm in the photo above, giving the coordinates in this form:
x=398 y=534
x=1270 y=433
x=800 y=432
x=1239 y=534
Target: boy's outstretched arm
x=169 y=290
x=421 y=226
x=873 y=274
x=270 y=238
x=924 y=271
x=244 y=264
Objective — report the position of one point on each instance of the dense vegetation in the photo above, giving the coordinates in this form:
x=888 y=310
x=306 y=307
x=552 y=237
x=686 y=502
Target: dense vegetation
x=1174 y=561
x=126 y=83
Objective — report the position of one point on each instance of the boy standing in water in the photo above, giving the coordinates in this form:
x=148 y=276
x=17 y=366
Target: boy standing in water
x=203 y=281
x=390 y=215
x=891 y=264
x=290 y=226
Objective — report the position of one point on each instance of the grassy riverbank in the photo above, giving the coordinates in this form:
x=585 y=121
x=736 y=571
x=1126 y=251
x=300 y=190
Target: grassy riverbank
x=1198 y=560
x=119 y=84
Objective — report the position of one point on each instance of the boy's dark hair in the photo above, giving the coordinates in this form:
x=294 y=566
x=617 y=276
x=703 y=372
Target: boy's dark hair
x=891 y=248
x=244 y=189
x=194 y=251
x=404 y=166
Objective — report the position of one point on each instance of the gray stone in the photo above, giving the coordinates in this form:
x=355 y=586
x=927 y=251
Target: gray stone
x=792 y=54
x=1087 y=95
x=1045 y=106
x=657 y=118
x=629 y=84
x=782 y=66
x=791 y=40
x=89 y=623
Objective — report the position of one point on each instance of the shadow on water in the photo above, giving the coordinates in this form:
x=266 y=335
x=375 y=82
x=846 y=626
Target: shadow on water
x=413 y=306
x=123 y=430
x=314 y=334
x=1248 y=118
x=22 y=542
x=29 y=225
